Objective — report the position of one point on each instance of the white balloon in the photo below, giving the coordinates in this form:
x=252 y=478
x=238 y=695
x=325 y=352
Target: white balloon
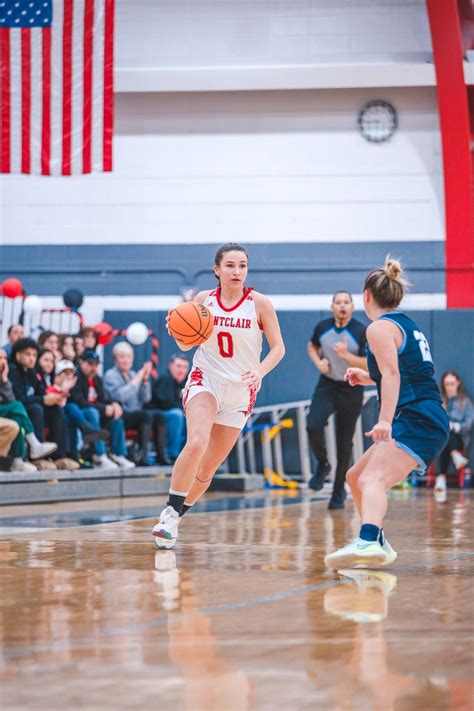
x=137 y=333
x=32 y=305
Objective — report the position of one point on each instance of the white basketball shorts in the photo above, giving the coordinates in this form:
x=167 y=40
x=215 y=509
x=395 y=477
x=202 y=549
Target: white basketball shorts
x=235 y=401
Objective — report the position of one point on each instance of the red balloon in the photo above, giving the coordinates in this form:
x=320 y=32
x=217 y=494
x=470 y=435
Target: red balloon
x=12 y=288
x=105 y=333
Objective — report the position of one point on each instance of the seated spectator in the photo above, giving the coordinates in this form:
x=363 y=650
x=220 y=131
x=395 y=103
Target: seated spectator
x=15 y=411
x=166 y=398
x=50 y=341
x=9 y=431
x=133 y=391
x=44 y=409
x=461 y=415
x=100 y=411
x=14 y=333
x=90 y=337
x=66 y=347
x=79 y=346
x=65 y=380
x=45 y=367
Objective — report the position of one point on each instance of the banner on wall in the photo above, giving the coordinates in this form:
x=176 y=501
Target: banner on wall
x=56 y=74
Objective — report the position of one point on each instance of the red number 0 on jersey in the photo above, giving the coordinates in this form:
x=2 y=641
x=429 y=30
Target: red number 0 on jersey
x=226 y=344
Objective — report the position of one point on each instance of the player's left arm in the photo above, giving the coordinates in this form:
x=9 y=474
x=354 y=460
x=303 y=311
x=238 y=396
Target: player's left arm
x=268 y=319
x=383 y=338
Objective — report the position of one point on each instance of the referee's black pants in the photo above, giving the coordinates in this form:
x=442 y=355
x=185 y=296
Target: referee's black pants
x=329 y=397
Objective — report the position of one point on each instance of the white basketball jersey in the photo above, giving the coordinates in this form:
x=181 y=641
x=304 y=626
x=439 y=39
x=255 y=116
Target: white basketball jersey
x=235 y=344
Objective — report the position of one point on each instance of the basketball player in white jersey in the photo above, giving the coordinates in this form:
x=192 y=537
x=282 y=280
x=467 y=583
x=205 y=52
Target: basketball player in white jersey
x=223 y=383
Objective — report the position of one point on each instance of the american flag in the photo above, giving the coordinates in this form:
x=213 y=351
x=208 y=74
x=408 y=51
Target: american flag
x=56 y=71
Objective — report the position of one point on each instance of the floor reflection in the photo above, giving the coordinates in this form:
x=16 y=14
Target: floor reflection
x=210 y=681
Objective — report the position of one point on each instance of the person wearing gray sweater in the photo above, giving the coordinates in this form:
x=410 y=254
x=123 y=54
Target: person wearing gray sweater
x=461 y=417
x=132 y=389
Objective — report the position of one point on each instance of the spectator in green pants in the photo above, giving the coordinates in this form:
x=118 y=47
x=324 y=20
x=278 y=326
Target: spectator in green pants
x=14 y=410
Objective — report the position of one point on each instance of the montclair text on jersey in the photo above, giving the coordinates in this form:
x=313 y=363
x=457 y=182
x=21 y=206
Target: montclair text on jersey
x=231 y=322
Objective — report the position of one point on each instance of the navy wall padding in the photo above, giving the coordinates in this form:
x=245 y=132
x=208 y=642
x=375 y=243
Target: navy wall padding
x=51 y=269
x=450 y=334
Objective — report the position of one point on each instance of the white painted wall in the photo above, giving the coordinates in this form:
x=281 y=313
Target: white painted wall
x=191 y=33
x=252 y=166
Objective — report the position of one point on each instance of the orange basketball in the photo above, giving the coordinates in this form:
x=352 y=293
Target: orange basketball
x=191 y=323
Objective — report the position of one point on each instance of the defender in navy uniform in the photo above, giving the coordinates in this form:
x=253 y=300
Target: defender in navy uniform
x=413 y=427
x=337 y=343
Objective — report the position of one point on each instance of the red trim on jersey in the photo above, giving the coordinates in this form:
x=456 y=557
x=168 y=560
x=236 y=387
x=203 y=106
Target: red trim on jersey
x=247 y=291
x=260 y=324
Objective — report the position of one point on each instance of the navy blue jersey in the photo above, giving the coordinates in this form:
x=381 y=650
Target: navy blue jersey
x=415 y=363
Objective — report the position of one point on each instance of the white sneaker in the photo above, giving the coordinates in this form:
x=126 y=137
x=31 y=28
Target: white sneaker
x=19 y=465
x=122 y=461
x=391 y=553
x=166 y=530
x=358 y=554
x=103 y=462
x=440 y=484
x=459 y=459
x=42 y=450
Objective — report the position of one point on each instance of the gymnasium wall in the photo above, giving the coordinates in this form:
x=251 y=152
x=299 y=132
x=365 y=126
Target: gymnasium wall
x=287 y=171
x=160 y=33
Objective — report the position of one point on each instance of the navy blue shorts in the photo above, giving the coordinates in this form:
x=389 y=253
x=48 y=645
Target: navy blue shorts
x=422 y=430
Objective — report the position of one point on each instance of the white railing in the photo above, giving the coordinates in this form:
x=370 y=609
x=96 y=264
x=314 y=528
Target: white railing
x=272 y=450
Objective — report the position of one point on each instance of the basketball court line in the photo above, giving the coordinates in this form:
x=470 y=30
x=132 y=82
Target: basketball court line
x=217 y=610
x=70 y=519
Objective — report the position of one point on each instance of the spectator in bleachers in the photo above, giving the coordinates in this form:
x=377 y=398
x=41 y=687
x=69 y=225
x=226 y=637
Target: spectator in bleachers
x=79 y=346
x=14 y=410
x=461 y=415
x=100 y=412
x=9 y=431
x=50 y=340
x=45 y=366
x=65 y=380
x=167 y=399
x=90 y=337
x=14 y=333
x=133 y=390
x=44 y=409
x=66 y=347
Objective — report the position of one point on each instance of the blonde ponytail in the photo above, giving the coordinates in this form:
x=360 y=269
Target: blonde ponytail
x=387 y=284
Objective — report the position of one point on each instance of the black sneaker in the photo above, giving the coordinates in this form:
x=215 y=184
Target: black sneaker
x=337 y=500
x=84 y=463
x=317 y=480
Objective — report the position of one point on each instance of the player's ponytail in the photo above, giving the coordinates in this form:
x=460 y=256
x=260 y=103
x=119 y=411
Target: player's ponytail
x=387 y=284
x=228 y=247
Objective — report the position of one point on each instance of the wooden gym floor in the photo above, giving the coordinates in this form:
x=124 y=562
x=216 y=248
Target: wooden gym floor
x=243 y=615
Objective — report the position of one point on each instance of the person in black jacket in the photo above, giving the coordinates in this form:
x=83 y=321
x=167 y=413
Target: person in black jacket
x=167 y=400
x=44 y=409
x=99 y=410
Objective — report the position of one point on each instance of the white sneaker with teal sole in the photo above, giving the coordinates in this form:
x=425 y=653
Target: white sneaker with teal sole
x=166 y=530
x=358 y=554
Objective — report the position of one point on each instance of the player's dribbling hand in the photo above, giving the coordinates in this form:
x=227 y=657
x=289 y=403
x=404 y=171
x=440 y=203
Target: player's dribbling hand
x=252 y=378
x=381 y=432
